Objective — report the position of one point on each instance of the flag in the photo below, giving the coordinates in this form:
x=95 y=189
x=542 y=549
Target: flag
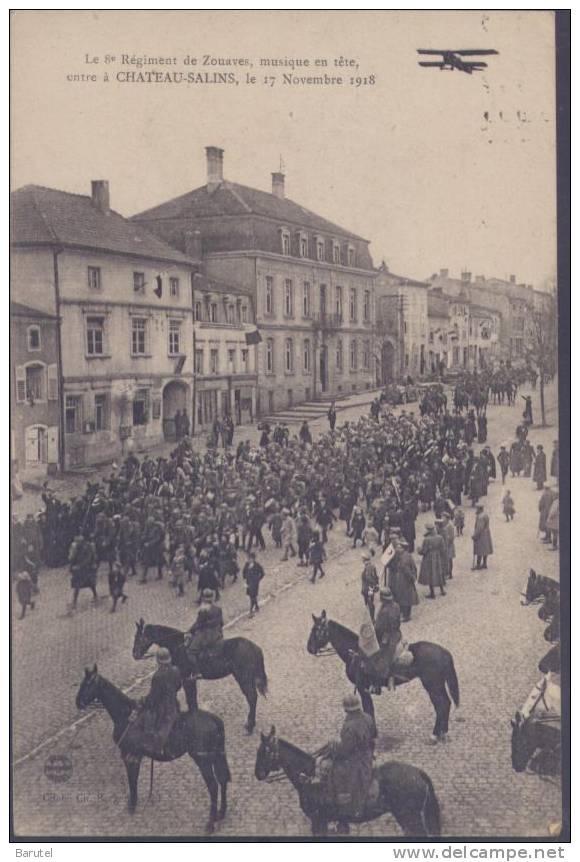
x=253 y=337
x=388 y=555
x=367 y=638
x=179 y=364
x=159 y=289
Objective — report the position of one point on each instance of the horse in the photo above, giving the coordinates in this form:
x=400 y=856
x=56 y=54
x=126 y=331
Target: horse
x=199 y=734
x=550 y=606
x=403 y=790
x=432 y=664
x=538 y=586
x=239 y=657
x=552 y=630
x=551 y=661
x=536 y=742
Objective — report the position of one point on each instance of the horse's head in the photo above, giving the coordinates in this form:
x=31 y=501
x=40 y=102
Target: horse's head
x=319 y=634
x=533 y=588
x=268 y=755
x=142 y=641
x=521 y=748
x=89 y=688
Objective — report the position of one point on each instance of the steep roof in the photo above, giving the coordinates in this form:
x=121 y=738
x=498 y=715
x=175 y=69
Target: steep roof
x=17 y=309
x=44 y=216
x=233 y=199
x=214 y=285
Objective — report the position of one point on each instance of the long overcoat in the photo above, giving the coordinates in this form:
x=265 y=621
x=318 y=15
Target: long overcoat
x=431 y=550
x=544 y=506
x=539 y=474
x=553 y=519
x=482 y=544
x=402 y=578
x=352 y=757
x=153 y=724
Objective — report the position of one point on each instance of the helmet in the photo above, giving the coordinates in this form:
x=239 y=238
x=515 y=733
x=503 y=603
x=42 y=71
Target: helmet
x=163 y=656
x=351 y=703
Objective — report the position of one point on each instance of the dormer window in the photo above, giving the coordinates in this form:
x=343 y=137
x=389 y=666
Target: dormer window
x=139 y=282
x=319 y=248
x=285 y=241
x=303 y=244
x=351 y=256
x=335 y=252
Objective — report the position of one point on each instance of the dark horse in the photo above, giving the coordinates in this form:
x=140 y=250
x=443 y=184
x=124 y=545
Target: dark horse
x=432 y=664
x=539 y=586
x=536 y=742
x=403 y=790
x=199 y=734
x=551 y=661
x=239 y=657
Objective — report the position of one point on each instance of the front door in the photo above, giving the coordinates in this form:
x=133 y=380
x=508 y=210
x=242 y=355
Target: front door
x=36 y=444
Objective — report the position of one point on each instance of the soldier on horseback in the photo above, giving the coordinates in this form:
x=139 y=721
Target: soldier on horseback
x=206 y=634
x=388 y=632
x=156 y=713
x=346 y=773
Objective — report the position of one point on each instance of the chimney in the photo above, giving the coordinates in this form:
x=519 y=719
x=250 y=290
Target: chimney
x=444 y=273
x=466 y=277
x=512 y=279
x=278 y=184
x=192 y=244
x=215 y=167
x=100 y=195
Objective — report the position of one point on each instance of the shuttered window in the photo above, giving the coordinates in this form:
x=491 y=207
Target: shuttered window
x=20 y=383
x=52 y=383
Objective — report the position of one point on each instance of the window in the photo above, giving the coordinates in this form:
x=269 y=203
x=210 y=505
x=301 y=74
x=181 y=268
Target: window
x=353 y=355
x=139 y=282
x=35 y=382
x=199 y=361
x=306 y=299
x=303 y=246
x=33 y=334
x=270 y=356
x=339 y=359
x=95 y=336
x=214 y=365
x=285 y=242
x=141 y=407
x=73 y=414
x=322 y=299
x=174 y=337
x=289 y=354
x=352 y=303
x=366 y=356
x=351 y=257
x=307 y=363
x=269 y=299
x=101 y=413
x=213 y=312
x=244 y=314
x=231 y=360
x=319 y=249
x=138 y=336
x=94 y=277
x=197 y=311
x=367 y=307
x=245 y=359
x=231 y=314
x=174 y=287
x=338 y=302
x=288 y=298
x=335 y=252
x=52 y=382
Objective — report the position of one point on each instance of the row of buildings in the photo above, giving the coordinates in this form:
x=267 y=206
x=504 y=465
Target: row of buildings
x=227 y=299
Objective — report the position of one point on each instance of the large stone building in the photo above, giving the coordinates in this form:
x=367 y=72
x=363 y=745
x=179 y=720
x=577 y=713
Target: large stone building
x=312 y=282
x=35 y=416
x=123 y=300
x=401 y=326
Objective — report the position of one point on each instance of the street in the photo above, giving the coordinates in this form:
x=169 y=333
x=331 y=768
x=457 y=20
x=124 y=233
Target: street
x=496 y=644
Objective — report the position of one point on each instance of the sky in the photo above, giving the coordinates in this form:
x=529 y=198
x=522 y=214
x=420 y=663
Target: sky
x=436 y=169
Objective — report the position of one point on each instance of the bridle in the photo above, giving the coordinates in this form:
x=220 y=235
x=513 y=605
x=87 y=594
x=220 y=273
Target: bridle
x=328 y=649
x=275 y=771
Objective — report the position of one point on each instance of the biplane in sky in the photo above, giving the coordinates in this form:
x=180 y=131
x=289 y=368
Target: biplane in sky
x=453 y=59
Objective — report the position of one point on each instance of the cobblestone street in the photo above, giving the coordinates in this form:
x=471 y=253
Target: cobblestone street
x=496 y=644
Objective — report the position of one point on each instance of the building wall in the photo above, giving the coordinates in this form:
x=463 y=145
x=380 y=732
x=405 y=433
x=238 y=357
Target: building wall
x=409 y=300
x=34 y=421
x=32 y=278
x=280 y=387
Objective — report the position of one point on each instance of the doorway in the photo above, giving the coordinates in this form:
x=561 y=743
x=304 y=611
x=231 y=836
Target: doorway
x=36 y=445
x=175 y=398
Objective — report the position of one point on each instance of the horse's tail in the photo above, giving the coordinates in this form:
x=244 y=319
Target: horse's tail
x=431 y=813
x=452 y=681
x=261 y=678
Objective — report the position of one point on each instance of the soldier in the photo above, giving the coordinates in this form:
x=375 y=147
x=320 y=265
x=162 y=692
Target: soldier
x=403 y=579
x=116 y=585
x=288 y=535
x=157 y=712
x=206 y=634
x=253 y=574
x=24 y=592
x=83 y=567
x=370 y=583
x=331 y=415
x=388 y=631
x=316 y=556
x=153 y=551
x=540 y=476
x=304 y=534
x=504 y=461
x=482 y=544
x=431 y=573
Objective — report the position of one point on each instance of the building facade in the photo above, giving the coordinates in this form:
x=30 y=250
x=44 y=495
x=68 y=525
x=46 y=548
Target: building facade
x=35 y=416
x=312 y=283
x=123 y=300
x=401 y=326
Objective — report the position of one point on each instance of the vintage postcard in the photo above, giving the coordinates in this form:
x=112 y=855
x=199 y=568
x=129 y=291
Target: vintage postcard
x=285 y=478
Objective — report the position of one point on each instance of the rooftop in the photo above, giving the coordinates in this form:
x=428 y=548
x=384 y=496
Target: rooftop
x=49 y=217
x=17 y=309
